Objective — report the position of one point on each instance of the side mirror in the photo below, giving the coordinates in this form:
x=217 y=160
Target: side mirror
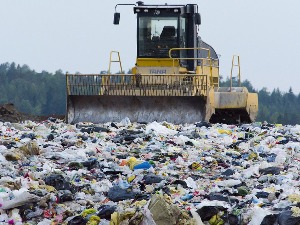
x=197 y=19
x=116 y=18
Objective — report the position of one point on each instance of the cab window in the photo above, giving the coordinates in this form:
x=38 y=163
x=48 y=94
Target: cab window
x=156 y=36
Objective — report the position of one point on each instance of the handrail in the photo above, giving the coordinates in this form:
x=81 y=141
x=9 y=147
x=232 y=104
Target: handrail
x=67 y=82
x=239 y=69
x=137 y=85
x=110 y=61
x=198 y=48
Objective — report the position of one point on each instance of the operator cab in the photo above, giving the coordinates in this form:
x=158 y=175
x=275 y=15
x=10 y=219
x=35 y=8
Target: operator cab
x=160 y=28
x=164 y=27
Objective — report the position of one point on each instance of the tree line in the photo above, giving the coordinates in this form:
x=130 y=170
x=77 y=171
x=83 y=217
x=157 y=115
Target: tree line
x=31 y=92
x=44 y=93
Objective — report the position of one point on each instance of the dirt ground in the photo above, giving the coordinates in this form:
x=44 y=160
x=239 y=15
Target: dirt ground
x=9 y=113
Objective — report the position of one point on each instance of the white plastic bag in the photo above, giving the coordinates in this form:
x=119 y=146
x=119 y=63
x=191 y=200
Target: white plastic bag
x=148 y=219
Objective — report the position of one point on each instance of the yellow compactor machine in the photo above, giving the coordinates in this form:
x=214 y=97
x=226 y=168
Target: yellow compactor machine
x=175 y=78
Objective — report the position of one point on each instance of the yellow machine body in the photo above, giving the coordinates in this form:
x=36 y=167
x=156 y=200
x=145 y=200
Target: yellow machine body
x=171 y=94
x=180 y=87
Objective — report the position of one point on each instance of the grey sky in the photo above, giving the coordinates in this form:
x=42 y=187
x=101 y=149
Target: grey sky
x=77 y=35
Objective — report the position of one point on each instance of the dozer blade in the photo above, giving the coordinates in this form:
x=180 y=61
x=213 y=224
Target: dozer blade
x=175 y=98
x=101 y=109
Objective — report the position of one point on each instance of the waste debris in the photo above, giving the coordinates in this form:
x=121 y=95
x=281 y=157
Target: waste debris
x=121 y=173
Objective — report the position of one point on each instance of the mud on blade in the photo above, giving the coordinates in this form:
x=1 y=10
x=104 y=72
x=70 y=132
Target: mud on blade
x=100 y=109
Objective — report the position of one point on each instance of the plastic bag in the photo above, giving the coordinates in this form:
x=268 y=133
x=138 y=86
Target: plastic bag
x=159 y=129
x=286 y=218
x=148 y=219
x=20 y=200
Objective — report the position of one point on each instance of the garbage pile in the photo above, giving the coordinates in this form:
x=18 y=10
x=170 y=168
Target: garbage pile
x=9 y=113
x=149 y=174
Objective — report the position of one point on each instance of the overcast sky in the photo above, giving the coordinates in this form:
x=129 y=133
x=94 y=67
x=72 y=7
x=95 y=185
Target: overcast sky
x=78 y=35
